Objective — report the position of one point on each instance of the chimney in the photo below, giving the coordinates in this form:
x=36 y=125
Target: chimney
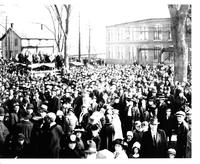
x=11 y=25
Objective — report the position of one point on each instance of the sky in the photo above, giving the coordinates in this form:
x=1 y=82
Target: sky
x=96 y=13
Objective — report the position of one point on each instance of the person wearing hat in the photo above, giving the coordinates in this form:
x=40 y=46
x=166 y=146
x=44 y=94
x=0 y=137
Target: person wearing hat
x=37 y=102
x=19 y=148
x=180 y=99
x=135 y=150
x=90 y=150
x=70 y=150
x=30 y=109
x=94 y=129
x=24 y=126
x=154 y=141
x=171 y=153
x=54 y=103
x=167 y=123
x=137 y=132
x=79 y=132
x=119 y=149
x=107 y=133
x=14 y=116
x=71 y=120
x=181 y=131
x=129 y=141
x=4 y=132
x=51 y=140
x=60 y=120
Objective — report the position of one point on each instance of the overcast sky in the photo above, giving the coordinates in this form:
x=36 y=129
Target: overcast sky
x=96 y=13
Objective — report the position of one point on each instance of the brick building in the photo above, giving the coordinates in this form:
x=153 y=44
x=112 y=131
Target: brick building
x=145 y=41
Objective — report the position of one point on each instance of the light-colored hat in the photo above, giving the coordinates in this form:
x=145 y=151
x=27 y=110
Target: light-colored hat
x=44 y=107
x=180 y=113
x=172 y=151
x=137 y=145
x=52 y=116
x=129 y=133
x=59 y=113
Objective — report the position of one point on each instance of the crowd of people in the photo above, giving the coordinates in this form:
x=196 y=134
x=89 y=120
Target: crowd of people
x=112 y=111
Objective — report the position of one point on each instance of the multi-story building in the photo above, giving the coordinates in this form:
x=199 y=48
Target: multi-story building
x=145 y=42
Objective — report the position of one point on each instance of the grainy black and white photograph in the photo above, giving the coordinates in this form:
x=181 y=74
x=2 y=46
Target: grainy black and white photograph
x=95 y=80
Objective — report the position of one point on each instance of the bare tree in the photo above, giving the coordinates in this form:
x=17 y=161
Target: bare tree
x=60 y=20
x=179 y=16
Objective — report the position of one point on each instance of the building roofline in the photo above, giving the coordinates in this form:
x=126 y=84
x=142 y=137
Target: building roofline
x=23 y=38
x=37 y=38
x=138 y=21
x=4 y=35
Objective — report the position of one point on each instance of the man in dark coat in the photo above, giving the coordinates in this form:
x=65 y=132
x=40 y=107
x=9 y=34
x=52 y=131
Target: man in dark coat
x=52 y=137
x=167 y=123
x=154 y=142
x=54 y=103
x=181 y=131
x=19 y=148
x=107 y=134
x=25 y=127
x=14 y=116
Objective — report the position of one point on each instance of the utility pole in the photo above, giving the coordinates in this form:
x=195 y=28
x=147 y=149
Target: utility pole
x=79 y=42
x=89 y=56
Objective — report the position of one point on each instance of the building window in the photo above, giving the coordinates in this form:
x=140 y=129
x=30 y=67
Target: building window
x=132 y=34
x=169 y=35
x=158 y=33
x=127 y=34
x=143 y=33
x=16 y=42
x=108 y=35
x=156 y=52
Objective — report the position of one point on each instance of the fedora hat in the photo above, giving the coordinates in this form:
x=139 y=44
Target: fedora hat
x=121 y=142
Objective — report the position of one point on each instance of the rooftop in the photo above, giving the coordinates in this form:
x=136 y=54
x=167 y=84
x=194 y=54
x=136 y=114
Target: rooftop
x=31 y=32
x=140 y=21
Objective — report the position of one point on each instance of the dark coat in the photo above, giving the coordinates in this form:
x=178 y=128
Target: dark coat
x=181 y=144
x=36 y=140
x=20 y=151
x=13 y=120
x=24 y=127
x=149 y=150
x=69 y=153
x=167 y=125
x=137 y=136
x=51 y=141
x=107 y=136
x=54 y=104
